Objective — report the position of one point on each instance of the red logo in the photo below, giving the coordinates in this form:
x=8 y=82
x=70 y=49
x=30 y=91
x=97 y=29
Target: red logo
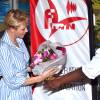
x=53 y=24
x=71 y=7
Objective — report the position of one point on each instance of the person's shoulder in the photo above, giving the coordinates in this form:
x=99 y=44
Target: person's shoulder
x=4 y=48
x=3 y=44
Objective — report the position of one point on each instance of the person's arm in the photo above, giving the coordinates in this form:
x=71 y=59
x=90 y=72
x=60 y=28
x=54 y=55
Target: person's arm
x=58 y=82
x=73 y=76
x=91 y=70
x=13 y=78
x=40 y=78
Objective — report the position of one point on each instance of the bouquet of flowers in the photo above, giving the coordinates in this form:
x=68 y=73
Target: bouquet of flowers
x=48 y=55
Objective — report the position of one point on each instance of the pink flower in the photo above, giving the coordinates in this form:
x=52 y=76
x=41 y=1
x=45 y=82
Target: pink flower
x=37 y=58
x=53 y=56
x=62 y=49
x=37 y=61
x=37 y=55
x=45 y=53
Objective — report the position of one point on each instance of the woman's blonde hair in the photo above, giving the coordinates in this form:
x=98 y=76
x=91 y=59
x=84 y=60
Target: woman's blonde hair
x=14 y=17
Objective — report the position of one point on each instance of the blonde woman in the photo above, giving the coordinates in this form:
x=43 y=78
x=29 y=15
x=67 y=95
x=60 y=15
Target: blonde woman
x=15 y=82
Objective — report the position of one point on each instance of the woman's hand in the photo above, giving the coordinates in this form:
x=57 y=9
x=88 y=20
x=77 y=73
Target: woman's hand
x=48 y=73
x=29 y=69
x=36 y=79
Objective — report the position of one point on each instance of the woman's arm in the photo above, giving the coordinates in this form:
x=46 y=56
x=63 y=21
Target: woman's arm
x=40 y=78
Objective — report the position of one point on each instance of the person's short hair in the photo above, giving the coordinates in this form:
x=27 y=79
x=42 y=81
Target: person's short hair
x=14 y=17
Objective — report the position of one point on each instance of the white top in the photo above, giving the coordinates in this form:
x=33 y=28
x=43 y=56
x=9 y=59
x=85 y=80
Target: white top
x=92 y=69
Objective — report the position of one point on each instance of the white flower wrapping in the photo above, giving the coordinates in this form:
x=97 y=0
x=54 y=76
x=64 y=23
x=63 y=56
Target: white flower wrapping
x=59 y=62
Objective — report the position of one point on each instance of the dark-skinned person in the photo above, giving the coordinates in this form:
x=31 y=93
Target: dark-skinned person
x=88 y=71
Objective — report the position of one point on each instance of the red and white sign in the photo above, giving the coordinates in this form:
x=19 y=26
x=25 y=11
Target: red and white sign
x=57 y=21
x=64 y=21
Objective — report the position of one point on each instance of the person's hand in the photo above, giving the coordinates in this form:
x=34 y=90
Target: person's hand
x=53 y=85
x=29 y=69
x=49 y=73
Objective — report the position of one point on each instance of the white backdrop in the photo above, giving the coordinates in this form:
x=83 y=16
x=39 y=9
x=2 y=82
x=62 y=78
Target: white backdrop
x=64 y=21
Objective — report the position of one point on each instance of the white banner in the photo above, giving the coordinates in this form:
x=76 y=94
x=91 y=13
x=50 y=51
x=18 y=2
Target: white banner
x=64 y=21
